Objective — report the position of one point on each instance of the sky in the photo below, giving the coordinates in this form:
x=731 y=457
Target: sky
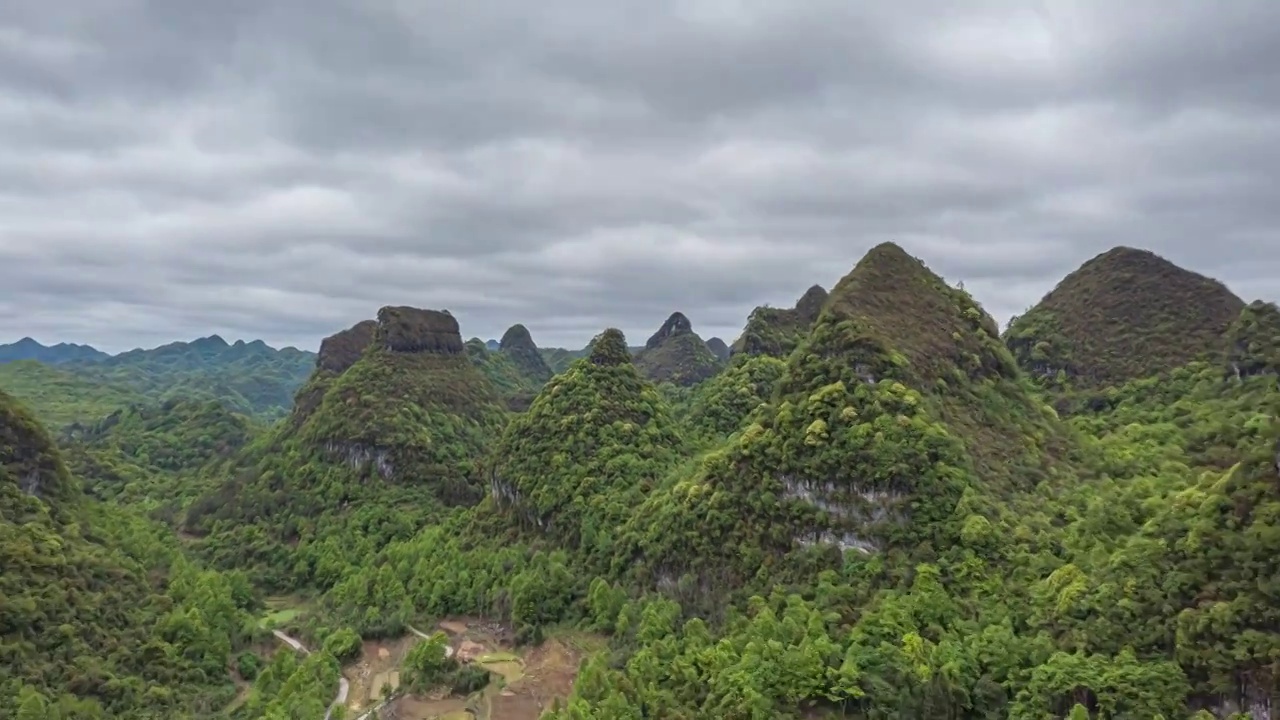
x=280 y=169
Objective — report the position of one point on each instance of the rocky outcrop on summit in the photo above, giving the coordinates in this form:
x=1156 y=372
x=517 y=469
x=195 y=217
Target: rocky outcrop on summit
x=810 y=304
x=1123 y=315
x=1253 y=342
x=342 y=349
x=412 y=410
x=518 y=345
x=676 y=324
x=411 y=330
x=676 y=354
x=777 y=331
x=338 y=353
x=719 y=348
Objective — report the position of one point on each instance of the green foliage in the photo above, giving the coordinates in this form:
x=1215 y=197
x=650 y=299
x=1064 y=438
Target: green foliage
x=101 y=613
x=1253 y=342
x=428 y=662
x=343 y=644
x=157 y=457
x=681 y=360
x=518 y=346
x=676 y=355
x=59 y=396
x=1123 y=315
x=517 y=386
x=589 y=448
x=888 y=521
x=722 y=404
x=388 y=442
x=247 y=378
x=777 y=331
x=290 y=687
x=428 y=666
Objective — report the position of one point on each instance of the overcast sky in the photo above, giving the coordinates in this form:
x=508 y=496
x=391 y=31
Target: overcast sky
x=279 y=169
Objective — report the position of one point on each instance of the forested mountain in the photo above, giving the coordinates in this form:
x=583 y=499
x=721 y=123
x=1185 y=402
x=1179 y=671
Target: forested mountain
x=250 y=378
x=385 y=434
x=1123 y=315
x=676 y=354
x=876 y=507
x=101 y=617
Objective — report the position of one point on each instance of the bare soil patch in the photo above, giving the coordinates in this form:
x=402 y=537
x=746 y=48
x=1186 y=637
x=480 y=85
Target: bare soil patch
x=379 y=664
x=525 y=683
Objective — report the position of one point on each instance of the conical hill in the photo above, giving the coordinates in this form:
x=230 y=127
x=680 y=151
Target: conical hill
x=1123 y=315
x=676 y=354
x=587 y=450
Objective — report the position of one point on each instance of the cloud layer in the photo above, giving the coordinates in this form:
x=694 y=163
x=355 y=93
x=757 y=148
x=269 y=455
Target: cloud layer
x=279 y=169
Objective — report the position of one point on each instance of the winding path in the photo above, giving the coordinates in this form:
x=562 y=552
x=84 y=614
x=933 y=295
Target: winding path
x=448 y=649
x=344 y=687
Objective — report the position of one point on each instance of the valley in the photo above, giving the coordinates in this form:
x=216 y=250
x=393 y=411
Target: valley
x=875 y=504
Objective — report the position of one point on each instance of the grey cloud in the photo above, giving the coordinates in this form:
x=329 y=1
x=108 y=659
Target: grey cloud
x=281 y=169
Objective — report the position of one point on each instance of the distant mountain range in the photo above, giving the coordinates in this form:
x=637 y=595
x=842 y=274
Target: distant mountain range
x=29 y=349
x=247 y=377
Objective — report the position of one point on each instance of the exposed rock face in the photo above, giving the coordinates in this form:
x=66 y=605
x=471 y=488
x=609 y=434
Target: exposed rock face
x=675 y=325
x=517 y=337
x=777 y=331
x=30 y=461
x=411 y=330
x=518 y=344
x=719 y=348
x=676 y=354
x=810 y=304
x=1253 y=342
x=610 y=348
x=341 y=350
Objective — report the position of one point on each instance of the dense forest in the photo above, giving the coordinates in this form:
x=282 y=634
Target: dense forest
x=872 y=505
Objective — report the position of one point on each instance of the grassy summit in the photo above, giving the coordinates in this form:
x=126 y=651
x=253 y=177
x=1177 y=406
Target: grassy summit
x=1123 y=315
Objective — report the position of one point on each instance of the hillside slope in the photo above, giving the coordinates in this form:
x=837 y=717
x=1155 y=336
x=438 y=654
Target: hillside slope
x=83 y=633
x=1123 y=315
x=60 y=395
x=1253 y=341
